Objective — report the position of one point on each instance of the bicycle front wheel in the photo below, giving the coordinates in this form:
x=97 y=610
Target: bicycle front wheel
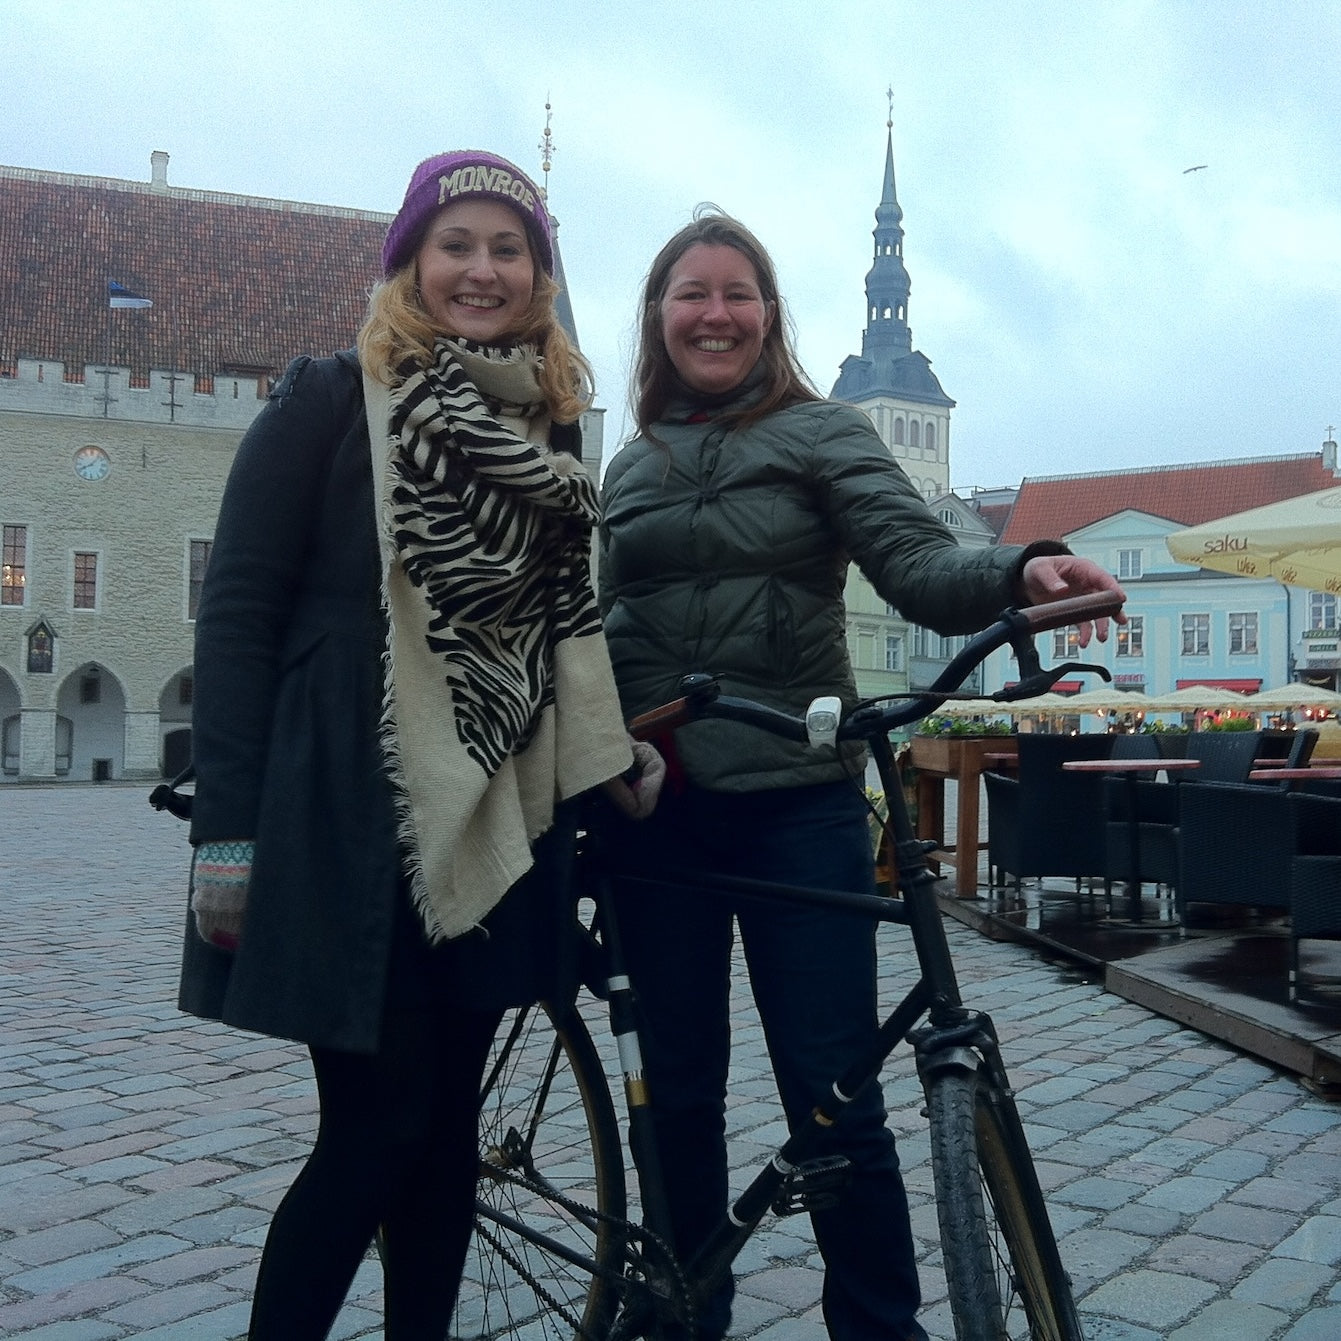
x=550 y=1229
x=1004 y=1272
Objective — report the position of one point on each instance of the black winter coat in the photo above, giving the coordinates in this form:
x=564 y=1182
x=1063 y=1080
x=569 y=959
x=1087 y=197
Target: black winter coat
x=288 y=693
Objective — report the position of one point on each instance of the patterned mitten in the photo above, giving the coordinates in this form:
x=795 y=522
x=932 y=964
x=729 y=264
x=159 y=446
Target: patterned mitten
x=220 y=875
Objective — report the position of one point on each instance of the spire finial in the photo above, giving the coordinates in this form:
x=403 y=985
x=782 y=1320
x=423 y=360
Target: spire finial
x=546 y=147
x=889 y=94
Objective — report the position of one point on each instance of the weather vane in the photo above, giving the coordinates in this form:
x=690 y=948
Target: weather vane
x=889 y=94
x=546 y=147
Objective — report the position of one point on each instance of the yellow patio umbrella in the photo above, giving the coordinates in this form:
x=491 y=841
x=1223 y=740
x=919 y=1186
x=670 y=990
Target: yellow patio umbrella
x=1297 y=541
x=971 y=707
x=1107 y=699
x=1297 y=695
x=1195 y=698
x=1042 y=704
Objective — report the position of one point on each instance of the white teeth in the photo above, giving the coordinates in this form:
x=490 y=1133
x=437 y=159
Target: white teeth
x=714 y=346
x=475 y=300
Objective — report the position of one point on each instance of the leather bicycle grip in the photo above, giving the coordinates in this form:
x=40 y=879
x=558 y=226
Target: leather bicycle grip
x=665 y=718
x=1072 y=610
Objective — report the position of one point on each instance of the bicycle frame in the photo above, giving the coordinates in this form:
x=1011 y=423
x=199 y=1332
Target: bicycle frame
x=953 y=1038
x=935 y=997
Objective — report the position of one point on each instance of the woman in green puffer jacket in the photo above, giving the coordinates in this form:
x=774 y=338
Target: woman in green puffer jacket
x=728 y=525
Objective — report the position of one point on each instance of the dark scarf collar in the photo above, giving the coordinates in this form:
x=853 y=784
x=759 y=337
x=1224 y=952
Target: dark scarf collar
x=686 y=405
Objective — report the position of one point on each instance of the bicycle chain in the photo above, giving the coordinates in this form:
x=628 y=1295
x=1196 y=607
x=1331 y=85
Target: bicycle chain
x=636 y=1257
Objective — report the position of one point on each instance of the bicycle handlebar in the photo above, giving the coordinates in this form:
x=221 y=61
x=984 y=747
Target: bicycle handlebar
x=702 y=696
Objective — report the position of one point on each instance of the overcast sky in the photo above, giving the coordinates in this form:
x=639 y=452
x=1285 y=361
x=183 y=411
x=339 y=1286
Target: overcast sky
x=1088 y=303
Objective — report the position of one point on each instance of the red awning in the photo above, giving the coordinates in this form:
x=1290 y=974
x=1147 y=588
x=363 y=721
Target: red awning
x=1061 y=687
x=1234 y=686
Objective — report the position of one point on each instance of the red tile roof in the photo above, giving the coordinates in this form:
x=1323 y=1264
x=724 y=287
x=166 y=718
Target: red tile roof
x=995 y=515
x=238 y=283
x=1052 y=506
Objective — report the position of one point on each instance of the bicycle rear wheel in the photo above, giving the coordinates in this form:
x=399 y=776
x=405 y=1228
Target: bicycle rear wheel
x=548 y=1246
x=1002 y=1266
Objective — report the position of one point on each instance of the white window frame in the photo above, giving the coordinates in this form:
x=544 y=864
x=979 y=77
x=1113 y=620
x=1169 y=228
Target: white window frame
x=1321 y=610
x=894 y=651
x=1129 y=563
x=1131 y=637
x=1243 y=629
x=1196 y=634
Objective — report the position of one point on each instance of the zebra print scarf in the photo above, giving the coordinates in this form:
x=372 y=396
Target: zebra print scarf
x=499 y=697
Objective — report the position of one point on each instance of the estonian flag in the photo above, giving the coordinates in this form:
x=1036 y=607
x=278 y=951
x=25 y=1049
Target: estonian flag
x=120 y=296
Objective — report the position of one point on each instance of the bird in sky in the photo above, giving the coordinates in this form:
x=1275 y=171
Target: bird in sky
x=1198 y=168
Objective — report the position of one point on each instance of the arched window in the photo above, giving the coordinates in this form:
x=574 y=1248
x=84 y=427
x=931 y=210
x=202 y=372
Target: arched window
x=929 y=440
x=898 y=431
x=913 y=433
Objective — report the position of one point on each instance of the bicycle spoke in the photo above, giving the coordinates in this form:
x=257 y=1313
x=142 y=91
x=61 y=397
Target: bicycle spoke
x=545 y=1261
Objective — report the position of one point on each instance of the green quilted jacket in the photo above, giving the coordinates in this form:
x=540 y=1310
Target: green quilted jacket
x=725 y=550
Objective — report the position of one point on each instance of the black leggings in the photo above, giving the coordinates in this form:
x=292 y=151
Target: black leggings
x=397 y=1146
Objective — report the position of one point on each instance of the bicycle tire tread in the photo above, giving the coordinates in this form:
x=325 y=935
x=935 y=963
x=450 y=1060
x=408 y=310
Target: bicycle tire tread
x=986 y=1191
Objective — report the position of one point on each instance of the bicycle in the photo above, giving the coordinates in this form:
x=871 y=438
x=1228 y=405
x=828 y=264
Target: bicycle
x=554 y=1253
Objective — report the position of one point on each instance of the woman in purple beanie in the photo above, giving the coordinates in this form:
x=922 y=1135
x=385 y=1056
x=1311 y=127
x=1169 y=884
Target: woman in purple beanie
x=401 y=681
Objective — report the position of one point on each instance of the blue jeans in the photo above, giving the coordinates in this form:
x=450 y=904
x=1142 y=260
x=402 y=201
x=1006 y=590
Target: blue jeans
x=813 y=976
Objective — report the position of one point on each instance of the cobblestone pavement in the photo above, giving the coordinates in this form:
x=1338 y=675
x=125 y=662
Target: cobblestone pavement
x=1197 y=1193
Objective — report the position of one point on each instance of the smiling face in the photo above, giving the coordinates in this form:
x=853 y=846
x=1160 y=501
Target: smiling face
x=713 y=317
x=475 y=271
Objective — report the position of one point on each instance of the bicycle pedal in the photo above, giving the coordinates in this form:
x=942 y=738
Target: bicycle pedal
x=815 y=1185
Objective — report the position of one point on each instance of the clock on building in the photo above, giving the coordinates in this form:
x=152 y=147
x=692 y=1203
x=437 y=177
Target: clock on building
x=92 y=463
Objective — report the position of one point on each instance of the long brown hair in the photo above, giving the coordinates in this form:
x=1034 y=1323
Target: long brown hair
x=397 y=328
x=653 y=374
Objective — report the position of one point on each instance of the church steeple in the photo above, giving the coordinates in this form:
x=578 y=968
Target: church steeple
x=888 y=366
x=887 y=335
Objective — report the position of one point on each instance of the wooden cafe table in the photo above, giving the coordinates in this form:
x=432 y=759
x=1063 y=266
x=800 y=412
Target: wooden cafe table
x=960 y=759
x=1131 y=769
x=1326 y=772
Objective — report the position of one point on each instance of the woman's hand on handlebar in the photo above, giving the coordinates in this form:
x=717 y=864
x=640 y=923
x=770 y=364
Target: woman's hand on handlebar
x=1052 y=577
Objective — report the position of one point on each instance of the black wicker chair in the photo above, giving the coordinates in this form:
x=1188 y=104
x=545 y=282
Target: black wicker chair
x=1224 y=756
x=1234 y=843
x=1315 y=878
x=1134 y=745
x=1043 y=822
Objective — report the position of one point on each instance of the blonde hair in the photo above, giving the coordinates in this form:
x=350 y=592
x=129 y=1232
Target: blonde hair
x=397 y=328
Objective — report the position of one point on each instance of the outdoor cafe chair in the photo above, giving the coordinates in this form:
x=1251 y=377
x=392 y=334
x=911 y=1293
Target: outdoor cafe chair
x=1315 y=880
x=1223 y=756
x=1233 y=845
x=1043 y=822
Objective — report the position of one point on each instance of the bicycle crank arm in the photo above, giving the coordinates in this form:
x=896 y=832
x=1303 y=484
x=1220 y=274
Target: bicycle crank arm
x=816 y=1185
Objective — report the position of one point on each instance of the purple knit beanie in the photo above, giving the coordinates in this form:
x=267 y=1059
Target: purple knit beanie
x=466 y=174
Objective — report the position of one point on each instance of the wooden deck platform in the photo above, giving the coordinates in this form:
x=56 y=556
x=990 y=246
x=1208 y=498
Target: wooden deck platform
x=1228 y=979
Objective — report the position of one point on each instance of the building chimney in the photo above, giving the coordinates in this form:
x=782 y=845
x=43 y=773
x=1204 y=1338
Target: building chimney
x=1329 y=453
x=158 y=170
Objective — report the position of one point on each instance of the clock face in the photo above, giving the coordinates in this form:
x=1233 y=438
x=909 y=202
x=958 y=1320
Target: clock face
x=92 y=463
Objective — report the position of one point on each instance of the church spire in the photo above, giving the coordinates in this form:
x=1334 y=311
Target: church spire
x=887 y=335
x=563 y=307
x=888 y=366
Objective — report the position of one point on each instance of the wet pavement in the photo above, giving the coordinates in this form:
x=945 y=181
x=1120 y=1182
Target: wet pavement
x=1196 y=1189
x=1227 y=973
